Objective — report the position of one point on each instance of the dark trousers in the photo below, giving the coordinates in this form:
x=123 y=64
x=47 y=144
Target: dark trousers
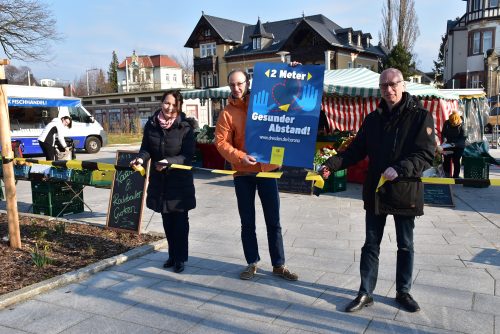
x=176 y=226
x=455 y=158
x=245 y=187
x=48 y=150
x=369 y=253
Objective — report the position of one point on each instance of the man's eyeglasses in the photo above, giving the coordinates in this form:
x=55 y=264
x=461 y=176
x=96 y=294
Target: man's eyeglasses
x=393 y=85
x=237 y=84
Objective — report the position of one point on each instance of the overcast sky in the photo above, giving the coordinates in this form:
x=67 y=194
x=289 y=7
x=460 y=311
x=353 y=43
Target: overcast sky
x=92 y=29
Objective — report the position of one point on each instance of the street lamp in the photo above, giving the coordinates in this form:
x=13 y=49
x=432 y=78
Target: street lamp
x=89 y=70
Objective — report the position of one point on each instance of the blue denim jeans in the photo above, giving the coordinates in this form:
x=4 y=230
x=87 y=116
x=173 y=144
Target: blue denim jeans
x=245 y=187
x=176 y=226
x=369 y=253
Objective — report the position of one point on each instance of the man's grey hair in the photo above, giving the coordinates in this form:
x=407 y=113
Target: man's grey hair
x=392 y=70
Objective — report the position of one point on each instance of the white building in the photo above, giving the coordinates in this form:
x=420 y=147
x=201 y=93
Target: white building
x=144 y=73
x=472 y=46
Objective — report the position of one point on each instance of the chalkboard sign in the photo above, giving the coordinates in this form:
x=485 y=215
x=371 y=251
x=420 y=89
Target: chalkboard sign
x=127 y=196
x=438 y=195
x=293 y=180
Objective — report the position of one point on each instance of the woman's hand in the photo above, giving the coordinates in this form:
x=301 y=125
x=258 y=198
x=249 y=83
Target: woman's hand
x=161 y=165
x=136 y=161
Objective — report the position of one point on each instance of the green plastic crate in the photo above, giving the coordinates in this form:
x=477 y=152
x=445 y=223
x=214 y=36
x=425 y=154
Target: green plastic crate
x=102 y=178
x=335 y=184
x=46 y=186
x=55 y=198
x=81 y=176
x=21 y=172
x=62 y=174
x=476 y=168
x=57 y=210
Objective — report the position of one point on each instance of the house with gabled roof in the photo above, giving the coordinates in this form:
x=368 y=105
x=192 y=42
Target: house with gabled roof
x=221 y=45
x=142 y=73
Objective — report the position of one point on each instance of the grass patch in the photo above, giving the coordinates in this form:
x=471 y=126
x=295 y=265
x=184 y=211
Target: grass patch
x=124 y=138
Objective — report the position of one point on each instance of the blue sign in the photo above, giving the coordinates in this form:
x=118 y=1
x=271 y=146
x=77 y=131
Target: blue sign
x=37 y=102
x=283 y=114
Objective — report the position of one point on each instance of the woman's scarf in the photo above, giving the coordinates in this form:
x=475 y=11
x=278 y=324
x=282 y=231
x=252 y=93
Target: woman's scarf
x=165 y=123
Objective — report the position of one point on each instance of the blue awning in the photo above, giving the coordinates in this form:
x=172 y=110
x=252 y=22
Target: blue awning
x=39 y=102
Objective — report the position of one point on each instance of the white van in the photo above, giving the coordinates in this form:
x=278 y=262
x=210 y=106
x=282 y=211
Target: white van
x=32 y=107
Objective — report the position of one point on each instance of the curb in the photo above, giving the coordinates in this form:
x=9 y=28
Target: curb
x=77 y=275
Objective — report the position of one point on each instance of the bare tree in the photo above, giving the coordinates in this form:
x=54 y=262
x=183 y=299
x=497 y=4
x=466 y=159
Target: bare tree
x=408 y=30
x=386 y=35
x=26 y=29
x=19 y=75
x=185 y=61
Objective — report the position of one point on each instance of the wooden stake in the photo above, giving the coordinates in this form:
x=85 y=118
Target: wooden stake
x=8 y=166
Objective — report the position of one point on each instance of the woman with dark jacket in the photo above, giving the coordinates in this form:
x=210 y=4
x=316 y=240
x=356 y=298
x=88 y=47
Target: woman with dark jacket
x=169 y=139
x=453 y=133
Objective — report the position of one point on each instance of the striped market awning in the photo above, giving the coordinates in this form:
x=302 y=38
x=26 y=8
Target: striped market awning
x=347 y=113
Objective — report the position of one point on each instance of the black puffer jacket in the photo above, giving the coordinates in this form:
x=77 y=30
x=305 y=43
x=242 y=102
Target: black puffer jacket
x=403 y=138
x=454 y=134
x=173 y=189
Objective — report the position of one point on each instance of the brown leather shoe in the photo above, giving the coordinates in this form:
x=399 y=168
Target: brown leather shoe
x=359 y=303
x=249 y=272
x=284 y=272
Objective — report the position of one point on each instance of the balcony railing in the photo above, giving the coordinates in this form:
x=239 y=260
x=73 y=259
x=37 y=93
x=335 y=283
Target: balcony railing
x=210 y=63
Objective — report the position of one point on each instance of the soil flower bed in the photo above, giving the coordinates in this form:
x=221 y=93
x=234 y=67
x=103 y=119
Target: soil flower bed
x=51 y=248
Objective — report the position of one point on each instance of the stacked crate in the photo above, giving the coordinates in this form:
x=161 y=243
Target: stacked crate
x=476 y=168
x=56 y=198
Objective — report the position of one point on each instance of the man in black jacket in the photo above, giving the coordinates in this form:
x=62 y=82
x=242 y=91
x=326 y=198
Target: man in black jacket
x=399 y=140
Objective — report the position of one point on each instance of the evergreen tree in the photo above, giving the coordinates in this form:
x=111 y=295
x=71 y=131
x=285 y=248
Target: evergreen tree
x=439 y=65
x=402 y=60
x=113 y=73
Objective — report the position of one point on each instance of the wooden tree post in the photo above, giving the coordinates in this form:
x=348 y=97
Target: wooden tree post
x=8 y=170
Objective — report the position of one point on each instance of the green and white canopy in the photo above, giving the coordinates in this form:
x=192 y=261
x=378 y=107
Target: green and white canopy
x=212 y=93
x=362 y=82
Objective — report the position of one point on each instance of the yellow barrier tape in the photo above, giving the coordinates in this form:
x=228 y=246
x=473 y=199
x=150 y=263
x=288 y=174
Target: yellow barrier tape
x=438 y=180
x=271 y=175
x=222 y=171
x=181 y=166
x=319 y=182
x=74 y=164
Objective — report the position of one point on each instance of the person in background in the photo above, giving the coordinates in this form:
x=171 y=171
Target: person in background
x=230 y=142
x=169 y=139
x=399 y=140
x=453 y=133
x=57 y=128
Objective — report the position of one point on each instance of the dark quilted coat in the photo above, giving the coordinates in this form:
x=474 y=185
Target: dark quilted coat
x=172 y=189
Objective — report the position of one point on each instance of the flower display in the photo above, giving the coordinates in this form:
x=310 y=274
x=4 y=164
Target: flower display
x=206 y=135
x=323 y=154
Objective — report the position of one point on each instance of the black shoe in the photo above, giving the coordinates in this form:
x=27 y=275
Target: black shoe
x=357 y=304
x=169 y=263
x=179 y=267
x=407 y=302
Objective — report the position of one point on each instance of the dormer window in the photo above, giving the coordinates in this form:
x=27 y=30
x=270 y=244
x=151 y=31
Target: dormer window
x=359 y=40
x=349 y=37
x=257 y=43
x=367 y=42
